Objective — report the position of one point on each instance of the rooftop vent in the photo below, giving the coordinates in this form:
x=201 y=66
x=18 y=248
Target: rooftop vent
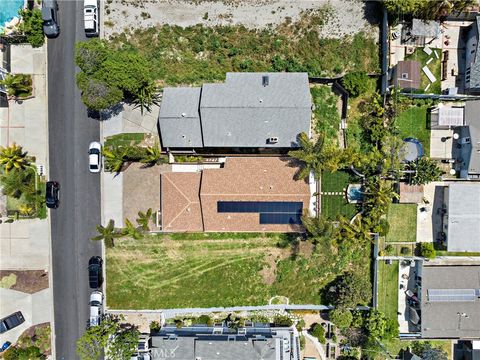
x=265 y=80
x=272 y=140
x=184 y=114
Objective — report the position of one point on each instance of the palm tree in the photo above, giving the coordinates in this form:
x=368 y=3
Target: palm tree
x=144 y=219
x=17 y=183
x=131 y=230
x=18 y=85
x=13 y=157
x=115 y=157
x=107 y=234
x=25 y=209
x=319 y=229
x=153 y=156
x=356 y=231
x=146 y=97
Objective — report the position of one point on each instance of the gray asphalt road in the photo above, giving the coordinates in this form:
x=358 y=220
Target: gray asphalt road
x=73 y=223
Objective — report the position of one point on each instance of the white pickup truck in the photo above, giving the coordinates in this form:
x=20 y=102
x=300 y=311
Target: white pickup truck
x=90 y=17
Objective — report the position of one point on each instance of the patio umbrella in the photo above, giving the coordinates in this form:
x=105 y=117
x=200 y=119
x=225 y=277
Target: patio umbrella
x=413 y=316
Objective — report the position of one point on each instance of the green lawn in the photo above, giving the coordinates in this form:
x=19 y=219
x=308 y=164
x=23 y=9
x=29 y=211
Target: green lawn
x=125 y=139
x=333 y=205
x=204 y=270
x=388 y=289
x=434 y=66
x=413 y=122
x=403 y=223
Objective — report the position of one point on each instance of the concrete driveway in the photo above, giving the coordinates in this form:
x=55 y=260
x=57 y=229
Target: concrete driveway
x=36 y=309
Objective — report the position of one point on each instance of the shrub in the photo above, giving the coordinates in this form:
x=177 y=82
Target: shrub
x=300 y=325
x=382 y=228
x=350 y=290
x=205 y=319
x=318 y=331
x=356 y=83
x=17 y=353
x=282 y=320
x=376 y=324
x=389 y=249
x=155 y=326
x=32 y=26
x=302 y=342
x=341 y=317
x=405 y=250
x=18 y=85
x=427 y=250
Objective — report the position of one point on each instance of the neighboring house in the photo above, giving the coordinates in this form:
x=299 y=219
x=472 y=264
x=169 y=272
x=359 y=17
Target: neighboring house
x=420 y=32
x=223 y=343
x=450 y=301
x=462 y=217
x=472 y=58
x=248 y=110
x=407 y=75
x=466 y=350
x=246 y=194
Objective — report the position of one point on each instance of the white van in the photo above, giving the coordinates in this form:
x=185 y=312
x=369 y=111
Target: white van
x=90 y=17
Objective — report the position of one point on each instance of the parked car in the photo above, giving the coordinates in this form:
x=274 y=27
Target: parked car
x=5 y=346
x=51 y=29
x=96 y=308
x=143 y=348
x=90 y=17
x=11 y=321
x=95 y=274
x=95 y=157
x=52 y=194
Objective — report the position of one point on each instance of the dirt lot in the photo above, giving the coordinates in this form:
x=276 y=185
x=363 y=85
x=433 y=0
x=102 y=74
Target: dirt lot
x=346 y=17
x=27 y=281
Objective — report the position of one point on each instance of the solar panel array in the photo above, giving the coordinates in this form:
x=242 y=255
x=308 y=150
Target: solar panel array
x=451 y=295
x=271 y=212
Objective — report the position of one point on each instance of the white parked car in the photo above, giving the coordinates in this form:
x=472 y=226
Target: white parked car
x=90 y=17
x=96 y=308
x=95 y=157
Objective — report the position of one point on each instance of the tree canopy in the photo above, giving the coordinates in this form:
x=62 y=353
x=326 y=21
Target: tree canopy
x=349 y=290
x=425 y=9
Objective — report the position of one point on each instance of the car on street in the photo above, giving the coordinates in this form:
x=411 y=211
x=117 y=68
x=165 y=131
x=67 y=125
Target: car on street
x=95 y=274
x=90 y=17
x=52 y=194
x=11 y=321
x=95 y=157
x=5 y=346
x=51 y=29
x=96 y=308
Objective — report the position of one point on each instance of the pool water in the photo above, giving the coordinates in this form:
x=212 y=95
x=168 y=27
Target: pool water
x=354 y=193
x=9 y=9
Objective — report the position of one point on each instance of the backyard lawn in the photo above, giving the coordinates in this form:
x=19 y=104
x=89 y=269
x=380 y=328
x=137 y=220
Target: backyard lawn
x=403 y=223
x=333 y=205
x=413 y=122
x=205 y=270
x=388 y=289
x=434 y=64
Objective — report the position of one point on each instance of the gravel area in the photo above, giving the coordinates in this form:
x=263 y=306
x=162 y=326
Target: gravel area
x=347 y=17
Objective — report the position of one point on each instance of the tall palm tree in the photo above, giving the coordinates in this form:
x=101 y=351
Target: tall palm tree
x=13 y=157
x=131 y=230
x=319 y=229
x=115 y=157
x=146 y=96
x=356 y=231
x=153 y=156
x=144 y=219
x=309 y=157
x=17 y=183
x=107 y=233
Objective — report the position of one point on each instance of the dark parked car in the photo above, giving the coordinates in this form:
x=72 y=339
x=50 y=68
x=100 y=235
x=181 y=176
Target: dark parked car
x=95 y=274
x=50 y=18
x=52 y=196
x=11 y=321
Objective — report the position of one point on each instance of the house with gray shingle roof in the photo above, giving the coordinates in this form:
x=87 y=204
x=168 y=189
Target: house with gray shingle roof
x=472 y=58
x=248 y=110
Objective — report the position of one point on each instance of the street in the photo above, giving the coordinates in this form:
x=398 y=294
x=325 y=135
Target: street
x=73 y=223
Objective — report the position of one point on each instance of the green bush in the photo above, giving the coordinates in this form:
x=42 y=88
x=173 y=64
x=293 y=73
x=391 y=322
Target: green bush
x=318 y=331
x=390 y=249
x=302 y=342
x=282 y=320
x=205 y=319
x=427 y=250
x=300 y=325
x=406 y=250
x=357 y=83
x=28 y=353
x=341 y=317
x=155 y=326
x=32 y=26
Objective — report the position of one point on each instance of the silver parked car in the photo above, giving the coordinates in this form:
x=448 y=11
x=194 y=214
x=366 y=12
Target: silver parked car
x=51 y=29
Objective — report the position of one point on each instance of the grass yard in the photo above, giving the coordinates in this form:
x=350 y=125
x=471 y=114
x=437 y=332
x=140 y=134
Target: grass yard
x=204 y=270
x=403 y=223
x=126 y=139
x=413 y=122
x=333 y=205
x=327 y=118
x=388 y=289
x=434 y=65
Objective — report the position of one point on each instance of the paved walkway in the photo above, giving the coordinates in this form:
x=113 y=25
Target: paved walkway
x=316 y=343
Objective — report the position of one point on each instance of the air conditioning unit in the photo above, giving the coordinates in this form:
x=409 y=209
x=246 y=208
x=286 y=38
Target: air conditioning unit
x=272 y=140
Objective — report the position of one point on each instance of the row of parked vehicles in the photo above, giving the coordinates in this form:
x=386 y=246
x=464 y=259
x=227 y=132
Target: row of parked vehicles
x=51 y=24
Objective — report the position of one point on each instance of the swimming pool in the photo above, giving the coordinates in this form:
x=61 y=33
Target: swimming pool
x=355 y=193
x=9 y=9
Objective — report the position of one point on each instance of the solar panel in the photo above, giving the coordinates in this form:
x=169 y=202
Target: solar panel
x=259 y=206
x=451 y=295
x=280 y=218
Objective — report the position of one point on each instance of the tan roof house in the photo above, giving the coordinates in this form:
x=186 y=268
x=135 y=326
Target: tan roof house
x=247 y=194
x=407 y=75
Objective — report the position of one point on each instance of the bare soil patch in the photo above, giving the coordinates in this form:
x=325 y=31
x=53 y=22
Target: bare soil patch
x=27 y=281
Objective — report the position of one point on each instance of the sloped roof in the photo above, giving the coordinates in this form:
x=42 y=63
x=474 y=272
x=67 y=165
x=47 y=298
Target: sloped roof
x=407 y=74
x=472 y=120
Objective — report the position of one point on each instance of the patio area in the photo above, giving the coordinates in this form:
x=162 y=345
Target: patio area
x=408 y=302
x=429 y=219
